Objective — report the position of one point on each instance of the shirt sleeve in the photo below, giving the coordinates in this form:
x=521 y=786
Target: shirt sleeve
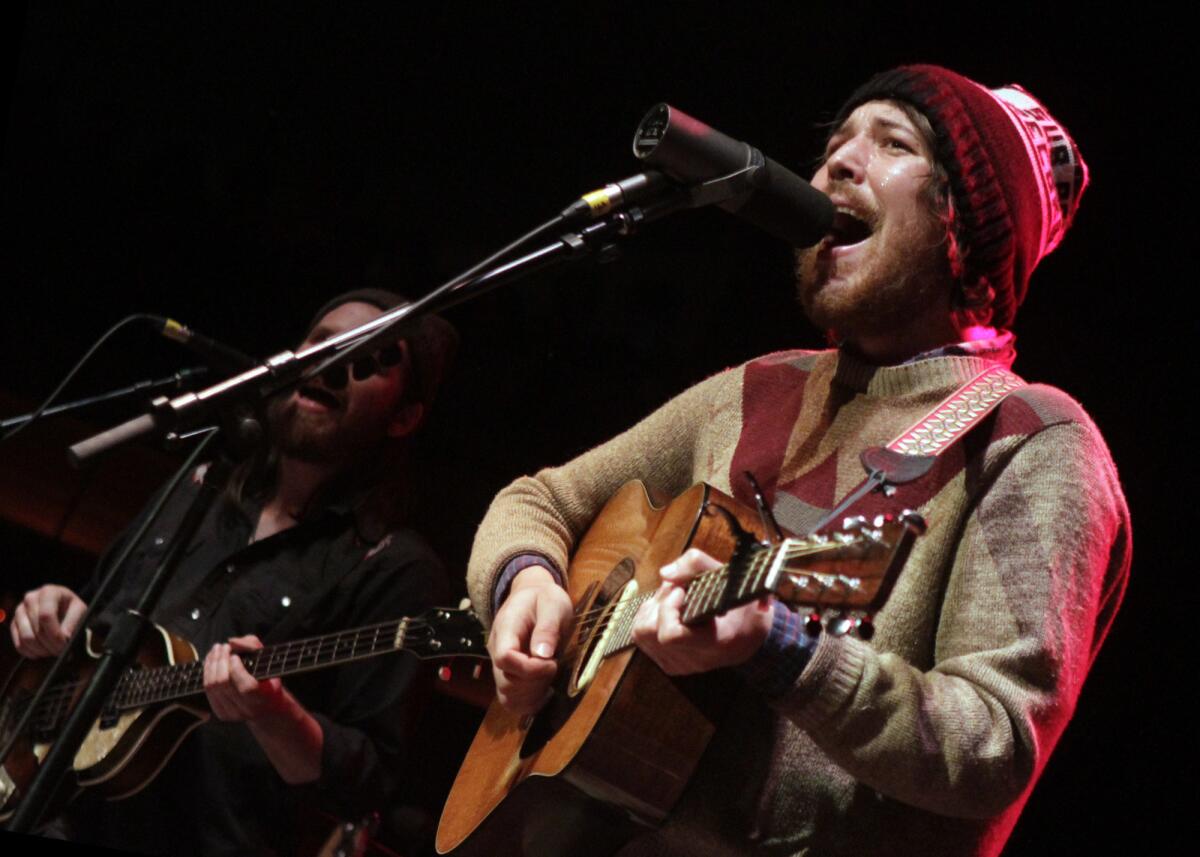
x=547 y=513
x=368 y=710
x=1036 y=579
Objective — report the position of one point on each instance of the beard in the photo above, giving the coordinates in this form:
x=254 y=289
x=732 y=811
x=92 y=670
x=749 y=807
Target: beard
x=899 y=275
x=337 y=437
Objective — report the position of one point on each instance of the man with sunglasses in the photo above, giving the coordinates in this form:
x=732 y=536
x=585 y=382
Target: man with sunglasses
x=306 y=540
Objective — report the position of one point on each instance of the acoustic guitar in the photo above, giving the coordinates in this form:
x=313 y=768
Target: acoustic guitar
x=157 y=702
x=616 y=727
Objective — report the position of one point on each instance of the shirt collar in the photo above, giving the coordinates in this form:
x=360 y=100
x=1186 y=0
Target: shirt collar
x=999 y=348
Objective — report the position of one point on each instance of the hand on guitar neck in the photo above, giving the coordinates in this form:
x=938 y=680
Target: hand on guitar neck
x=289 y=735
x=721 y=641
x=528 y=631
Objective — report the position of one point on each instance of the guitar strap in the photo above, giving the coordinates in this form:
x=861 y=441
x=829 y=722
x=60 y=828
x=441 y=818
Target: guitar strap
x=957 y=414
x=931 y=435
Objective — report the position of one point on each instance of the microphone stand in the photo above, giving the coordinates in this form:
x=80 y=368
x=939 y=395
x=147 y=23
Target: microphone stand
x=121 y=643
x=287 y=369
x=175 y=382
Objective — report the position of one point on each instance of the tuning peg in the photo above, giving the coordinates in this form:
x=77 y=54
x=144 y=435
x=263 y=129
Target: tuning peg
x=865 y=627
x=913 y=521
x=854 y=523
x=812 y=625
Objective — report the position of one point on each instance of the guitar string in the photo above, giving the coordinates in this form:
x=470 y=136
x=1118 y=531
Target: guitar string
x=699 y=591
x=717 y=574
x=704 y=582
x=147 y=685
x=326 y=644
x=142 y=680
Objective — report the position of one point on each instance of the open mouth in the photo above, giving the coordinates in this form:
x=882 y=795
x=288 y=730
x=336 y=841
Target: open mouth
x=848 y=229
x=321 y=396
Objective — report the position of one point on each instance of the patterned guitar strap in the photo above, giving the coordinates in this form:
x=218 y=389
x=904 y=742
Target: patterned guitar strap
x=914 y=451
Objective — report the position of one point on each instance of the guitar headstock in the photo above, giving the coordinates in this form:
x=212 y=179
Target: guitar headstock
x=444 y=632
x=850 y=572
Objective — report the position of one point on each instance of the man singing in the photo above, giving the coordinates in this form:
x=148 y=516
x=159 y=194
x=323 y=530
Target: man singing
x=313 y=524
x=929 y=738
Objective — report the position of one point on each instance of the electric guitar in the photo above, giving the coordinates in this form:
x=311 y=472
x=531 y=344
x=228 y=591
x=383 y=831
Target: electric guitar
x=160 y=700
x=616 y=727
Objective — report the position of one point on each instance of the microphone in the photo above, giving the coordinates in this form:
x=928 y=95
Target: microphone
x=220 y=355
x=733 y=174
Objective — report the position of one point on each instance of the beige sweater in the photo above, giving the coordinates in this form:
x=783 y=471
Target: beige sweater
x=929 y=738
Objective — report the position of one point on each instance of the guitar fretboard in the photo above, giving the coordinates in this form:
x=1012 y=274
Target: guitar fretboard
x=140 y=688
x=742 y=580
x=708 y=594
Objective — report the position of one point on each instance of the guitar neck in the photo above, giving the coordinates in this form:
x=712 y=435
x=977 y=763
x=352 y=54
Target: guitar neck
x=163 y=684
x=845 y=571
x=708 y=595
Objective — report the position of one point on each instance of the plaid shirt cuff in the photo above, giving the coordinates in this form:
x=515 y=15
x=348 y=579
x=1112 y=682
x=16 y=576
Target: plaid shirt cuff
x=774 y=668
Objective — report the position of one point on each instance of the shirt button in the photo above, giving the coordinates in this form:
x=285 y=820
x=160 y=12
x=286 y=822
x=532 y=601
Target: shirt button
x=195 y=614
x=286 y=601
x=229 y=568
x=159 y=541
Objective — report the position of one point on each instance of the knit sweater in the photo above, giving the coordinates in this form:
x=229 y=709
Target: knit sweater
x=932 y=735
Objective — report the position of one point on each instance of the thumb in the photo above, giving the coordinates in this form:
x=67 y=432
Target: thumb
x=543 y=641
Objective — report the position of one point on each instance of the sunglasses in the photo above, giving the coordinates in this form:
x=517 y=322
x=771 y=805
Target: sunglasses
x=362 y=368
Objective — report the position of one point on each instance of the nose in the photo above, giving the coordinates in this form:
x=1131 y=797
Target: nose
x=848 y=162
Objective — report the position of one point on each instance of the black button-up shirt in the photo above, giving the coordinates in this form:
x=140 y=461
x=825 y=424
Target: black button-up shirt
x=220 y=794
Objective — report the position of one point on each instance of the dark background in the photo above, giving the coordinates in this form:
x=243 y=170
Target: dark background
x=232 y=167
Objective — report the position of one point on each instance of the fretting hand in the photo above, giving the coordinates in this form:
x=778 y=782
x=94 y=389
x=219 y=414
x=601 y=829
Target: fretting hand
x=724 y=641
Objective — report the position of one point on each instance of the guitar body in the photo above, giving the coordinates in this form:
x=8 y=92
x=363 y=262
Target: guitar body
x=120 y=755
x=118 y=758
x=161 y=698
x=598 y=733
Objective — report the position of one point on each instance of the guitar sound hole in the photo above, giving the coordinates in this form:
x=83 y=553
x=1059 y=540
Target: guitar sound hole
x=592 y=614
x=548 y=721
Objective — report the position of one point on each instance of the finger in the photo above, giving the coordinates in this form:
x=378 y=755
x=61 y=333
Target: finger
x=645 y=622
x=210 y=666
x=75 y=610
x=52 y=602
x=248 y=643
x=242 y=680
x=670 y=623
x=218 y=660
x=519 y=665
x=690 y=564
x=507 y=636
x=543 y=641
x=31 y=603
x=27 y=642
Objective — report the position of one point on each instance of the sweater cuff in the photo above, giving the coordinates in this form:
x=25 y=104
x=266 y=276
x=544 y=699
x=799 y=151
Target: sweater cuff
x=775 y=667
x=827 y=683
x=514 y=567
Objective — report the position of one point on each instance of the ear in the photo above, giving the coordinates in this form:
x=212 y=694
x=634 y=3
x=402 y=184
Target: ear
x=406 y=420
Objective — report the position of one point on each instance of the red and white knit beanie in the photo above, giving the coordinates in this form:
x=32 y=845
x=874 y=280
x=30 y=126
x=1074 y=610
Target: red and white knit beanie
x=1016 y=176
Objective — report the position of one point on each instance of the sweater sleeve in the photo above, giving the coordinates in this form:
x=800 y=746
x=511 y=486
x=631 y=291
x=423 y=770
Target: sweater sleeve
x=547 y=513
x=1036 y=579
